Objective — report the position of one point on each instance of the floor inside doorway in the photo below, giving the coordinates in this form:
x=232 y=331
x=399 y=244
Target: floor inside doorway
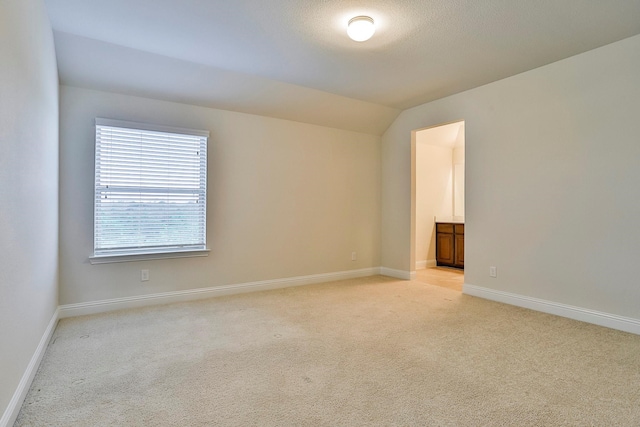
x=445 y=277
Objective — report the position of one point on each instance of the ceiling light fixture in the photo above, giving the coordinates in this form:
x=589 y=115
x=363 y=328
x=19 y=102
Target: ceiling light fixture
x=361 y=28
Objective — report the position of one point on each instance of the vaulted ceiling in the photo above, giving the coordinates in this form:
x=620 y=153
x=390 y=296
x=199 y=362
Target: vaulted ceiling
x=292 y=59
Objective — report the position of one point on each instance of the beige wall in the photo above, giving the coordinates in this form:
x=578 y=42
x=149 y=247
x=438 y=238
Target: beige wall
x=458 y=182
x=28 y=188
x=285 y=199
x=552 y=194
x=458 y=155
x=433 y=196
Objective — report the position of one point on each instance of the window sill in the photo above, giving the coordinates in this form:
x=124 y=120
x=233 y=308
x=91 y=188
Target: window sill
x=108 y=259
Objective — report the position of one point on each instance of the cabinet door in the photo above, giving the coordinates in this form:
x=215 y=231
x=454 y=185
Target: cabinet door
x=444 y=249
x=444 y=228
x=459 y=249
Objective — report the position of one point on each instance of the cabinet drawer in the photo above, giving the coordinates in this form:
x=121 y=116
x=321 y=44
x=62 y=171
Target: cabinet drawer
x=444 y=228
x=459 y=228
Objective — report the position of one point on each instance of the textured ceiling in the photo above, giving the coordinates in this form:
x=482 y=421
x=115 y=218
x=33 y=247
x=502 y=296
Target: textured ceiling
x=422 y=50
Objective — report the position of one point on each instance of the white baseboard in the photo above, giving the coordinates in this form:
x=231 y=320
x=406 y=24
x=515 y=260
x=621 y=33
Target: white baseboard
x=94 y=307
x=613 y=321
x=398 y=274
x=13 y=409
x=428 y=263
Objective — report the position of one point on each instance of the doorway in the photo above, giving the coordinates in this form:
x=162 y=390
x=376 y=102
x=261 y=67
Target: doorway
x=438 y=170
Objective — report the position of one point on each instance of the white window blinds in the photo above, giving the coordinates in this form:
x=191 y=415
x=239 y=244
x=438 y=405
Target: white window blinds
x=150 y=189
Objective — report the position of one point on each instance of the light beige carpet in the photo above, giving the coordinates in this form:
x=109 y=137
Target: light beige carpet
x=371 y=351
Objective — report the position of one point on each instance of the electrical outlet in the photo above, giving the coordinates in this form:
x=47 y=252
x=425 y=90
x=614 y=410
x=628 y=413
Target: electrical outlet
x=144 y=275
x=493 y=271
x=354 y=256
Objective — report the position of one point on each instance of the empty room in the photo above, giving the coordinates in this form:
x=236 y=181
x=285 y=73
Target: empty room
x=319 y=213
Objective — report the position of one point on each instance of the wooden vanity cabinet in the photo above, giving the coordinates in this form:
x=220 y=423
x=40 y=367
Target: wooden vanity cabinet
x=450 y=244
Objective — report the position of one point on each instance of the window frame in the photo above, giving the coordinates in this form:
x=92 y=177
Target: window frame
x=106 y=255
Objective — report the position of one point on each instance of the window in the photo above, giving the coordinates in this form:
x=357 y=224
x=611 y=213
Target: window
x=150 y=189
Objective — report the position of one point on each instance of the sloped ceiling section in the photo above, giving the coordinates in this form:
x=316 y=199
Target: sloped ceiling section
x=94 y=64
x=292 y=58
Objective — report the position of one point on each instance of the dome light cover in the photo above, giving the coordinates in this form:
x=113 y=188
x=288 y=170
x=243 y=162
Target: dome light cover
x=361 y=28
